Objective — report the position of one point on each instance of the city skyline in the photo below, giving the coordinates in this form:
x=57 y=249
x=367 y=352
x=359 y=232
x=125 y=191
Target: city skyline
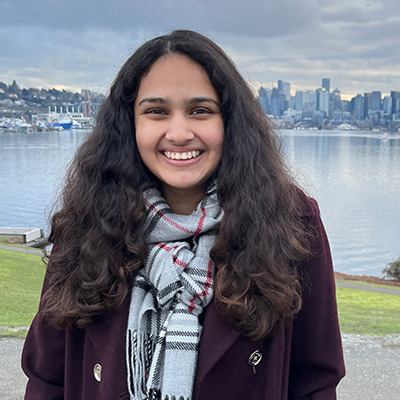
x=323 y=108
x=75 y=44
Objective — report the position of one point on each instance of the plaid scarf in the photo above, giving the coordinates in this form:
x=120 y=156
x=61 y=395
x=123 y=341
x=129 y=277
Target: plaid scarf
x=168 y=296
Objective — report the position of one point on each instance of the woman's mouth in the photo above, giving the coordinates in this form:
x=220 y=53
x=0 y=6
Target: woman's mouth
x=185 y=155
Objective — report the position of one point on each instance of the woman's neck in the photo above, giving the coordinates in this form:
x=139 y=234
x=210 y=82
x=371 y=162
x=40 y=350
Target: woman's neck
x=182 y=201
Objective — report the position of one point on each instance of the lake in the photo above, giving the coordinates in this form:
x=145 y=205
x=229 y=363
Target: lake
x=354 y=176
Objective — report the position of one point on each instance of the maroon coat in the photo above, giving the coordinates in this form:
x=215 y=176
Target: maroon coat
x=303 y=360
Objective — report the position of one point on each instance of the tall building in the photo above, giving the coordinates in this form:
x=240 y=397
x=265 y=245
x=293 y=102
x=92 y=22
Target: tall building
x=326 y=84
x=280 y=86
x=395 y=95
x=286 y=90
x=358 y=103
x=298 y=100
x=276 y=102
x=310 y=101
x=367 y=103
x=264 y=96
x=336 y=100
x=387 y=104
x=323 y=101
x=376 y=101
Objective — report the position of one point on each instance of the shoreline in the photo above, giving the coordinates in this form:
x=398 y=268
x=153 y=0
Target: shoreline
x=23 y=248
x=366 y=279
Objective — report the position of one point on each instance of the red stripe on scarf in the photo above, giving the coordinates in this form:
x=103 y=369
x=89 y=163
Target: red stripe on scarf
x=180 y=227
x=206 y=287
x=201 y=221
x=175 y=259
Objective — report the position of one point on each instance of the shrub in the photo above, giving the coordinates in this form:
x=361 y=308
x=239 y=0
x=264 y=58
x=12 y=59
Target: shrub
x=392 y=270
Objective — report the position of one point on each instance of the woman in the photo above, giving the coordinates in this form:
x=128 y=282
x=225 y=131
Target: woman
x=187 y=264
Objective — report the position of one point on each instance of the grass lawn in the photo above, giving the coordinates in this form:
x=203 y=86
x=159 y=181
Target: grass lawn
x=4 y=241
x=21 y=278
x=368 y=313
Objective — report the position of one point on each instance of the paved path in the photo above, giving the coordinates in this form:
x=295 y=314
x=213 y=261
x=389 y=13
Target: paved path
x=373 y=368
x=372 y=364
x=12 y=379
x=375 y=289
x=26 y=250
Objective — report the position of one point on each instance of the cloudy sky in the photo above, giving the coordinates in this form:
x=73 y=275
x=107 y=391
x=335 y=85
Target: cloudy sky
x=77 y=43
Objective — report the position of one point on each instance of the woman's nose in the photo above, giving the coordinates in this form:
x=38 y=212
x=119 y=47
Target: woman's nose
x=179 y=130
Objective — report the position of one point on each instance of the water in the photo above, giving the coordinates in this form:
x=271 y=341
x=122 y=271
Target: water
x=355 y=178
x=32 y=168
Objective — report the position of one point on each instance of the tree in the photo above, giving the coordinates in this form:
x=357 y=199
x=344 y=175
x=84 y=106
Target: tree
x=392 y=270
x=14 y=89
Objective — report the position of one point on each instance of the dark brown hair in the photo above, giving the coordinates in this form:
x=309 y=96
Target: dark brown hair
x=98 y=229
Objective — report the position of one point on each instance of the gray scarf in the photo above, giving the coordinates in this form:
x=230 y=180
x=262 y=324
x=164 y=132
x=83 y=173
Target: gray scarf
x=168 y=296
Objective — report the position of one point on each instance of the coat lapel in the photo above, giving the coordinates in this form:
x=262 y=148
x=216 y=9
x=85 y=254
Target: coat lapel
x=217 y=337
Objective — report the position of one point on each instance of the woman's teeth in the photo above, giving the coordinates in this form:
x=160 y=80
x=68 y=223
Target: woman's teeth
x=182 y=156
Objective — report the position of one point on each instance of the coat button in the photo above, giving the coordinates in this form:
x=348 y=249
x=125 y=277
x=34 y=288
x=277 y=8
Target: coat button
x=97 y=372
x=255 y=358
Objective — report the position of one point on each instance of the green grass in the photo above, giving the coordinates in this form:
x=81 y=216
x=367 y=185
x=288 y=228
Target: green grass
x=4 y=241
x=368 y=313
x=21 y=278
x=13 y=332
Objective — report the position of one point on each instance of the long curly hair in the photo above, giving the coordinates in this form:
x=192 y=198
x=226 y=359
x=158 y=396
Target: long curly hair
x=98 y=228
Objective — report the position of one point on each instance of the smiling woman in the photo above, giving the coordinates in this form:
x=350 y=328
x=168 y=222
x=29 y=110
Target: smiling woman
x=179 y=129
x=187 y=264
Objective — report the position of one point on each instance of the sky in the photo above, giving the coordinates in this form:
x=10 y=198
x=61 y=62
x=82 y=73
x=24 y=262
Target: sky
x=75 y=44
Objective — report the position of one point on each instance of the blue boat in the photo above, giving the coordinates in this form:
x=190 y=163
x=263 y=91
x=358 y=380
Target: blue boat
x=63 y=122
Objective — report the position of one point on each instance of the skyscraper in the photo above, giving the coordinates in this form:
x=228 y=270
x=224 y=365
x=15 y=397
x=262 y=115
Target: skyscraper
x=326 y=84
x=395 y=95
x=358 y=102
x=264 y=96
x=376 y=101
x=298 y=100
x=286 y=90
x=323 y=101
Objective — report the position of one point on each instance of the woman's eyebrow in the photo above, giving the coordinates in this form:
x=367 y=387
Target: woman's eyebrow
x=159 y=100
x=190 y=101
x=196 y=100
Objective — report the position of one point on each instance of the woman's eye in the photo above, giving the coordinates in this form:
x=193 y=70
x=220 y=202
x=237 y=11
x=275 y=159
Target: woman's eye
x=157 y=111
x=198 y=111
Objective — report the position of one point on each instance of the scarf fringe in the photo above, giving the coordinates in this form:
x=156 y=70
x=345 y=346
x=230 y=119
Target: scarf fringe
x=140 y=348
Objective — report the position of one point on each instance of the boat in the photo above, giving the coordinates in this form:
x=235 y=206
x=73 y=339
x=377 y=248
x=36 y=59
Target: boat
x=63 y=122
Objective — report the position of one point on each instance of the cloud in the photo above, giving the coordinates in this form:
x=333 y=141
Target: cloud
x=249 y=18
x=70 y=43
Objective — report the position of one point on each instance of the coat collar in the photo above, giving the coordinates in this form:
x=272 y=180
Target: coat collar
x=217 y=337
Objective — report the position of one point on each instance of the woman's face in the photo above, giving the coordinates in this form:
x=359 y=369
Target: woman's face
x=178 y=123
